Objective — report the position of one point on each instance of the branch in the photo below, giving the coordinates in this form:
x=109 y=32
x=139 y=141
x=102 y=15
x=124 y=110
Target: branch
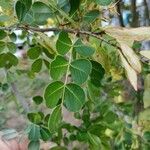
x=120 y=17
x=135 y=15
x=37 y=29
x=147 y=16
x=97 y=35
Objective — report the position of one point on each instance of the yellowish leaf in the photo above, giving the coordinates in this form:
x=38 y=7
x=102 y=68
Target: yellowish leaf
x=145 y=53
x=101 y=57
x=146 y=95
x=147 y=82
x=131 y=56
x=146 y=98
x=129 y=35
x=130 y=72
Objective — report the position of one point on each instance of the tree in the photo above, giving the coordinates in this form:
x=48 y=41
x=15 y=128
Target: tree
x=87 y=64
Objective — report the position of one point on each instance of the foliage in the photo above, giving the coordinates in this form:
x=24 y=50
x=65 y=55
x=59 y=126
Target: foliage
x=86 y=65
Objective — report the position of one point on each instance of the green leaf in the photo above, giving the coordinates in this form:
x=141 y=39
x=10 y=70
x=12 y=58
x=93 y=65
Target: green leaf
x=38 y=99
x=2 y=60
x=91 y=16
x=64 y=5
x=103 y=2
x=8 y=60
x=93 y=92
x=97 y=73
x=45 y=134
x=34 y=134
x=80 y=70
x=63 y=43
x=34 y=145
x=34 y=52
x=146 y=136
x=3 y=34
x=37 y=65
x=47 y=64
x=29 y=18
x=110 y=117
x=94 y=141
x=2 y=46
x=53 y=93
x=13 y=37
x=82 y=136
x=58 y=67
x=12 y=47
x=74 y=97
x=27 y=4
x=41 y=12
x=5 y=87
x=4 y=18
x=20 y=10
x=35 y=117
x=74 y=6
x=55 y=119
x=12 y=59
x=82 y=49
x=58 y=148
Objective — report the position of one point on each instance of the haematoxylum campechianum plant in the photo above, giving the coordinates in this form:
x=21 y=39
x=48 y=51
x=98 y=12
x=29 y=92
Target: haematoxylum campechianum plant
x=87 y=65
